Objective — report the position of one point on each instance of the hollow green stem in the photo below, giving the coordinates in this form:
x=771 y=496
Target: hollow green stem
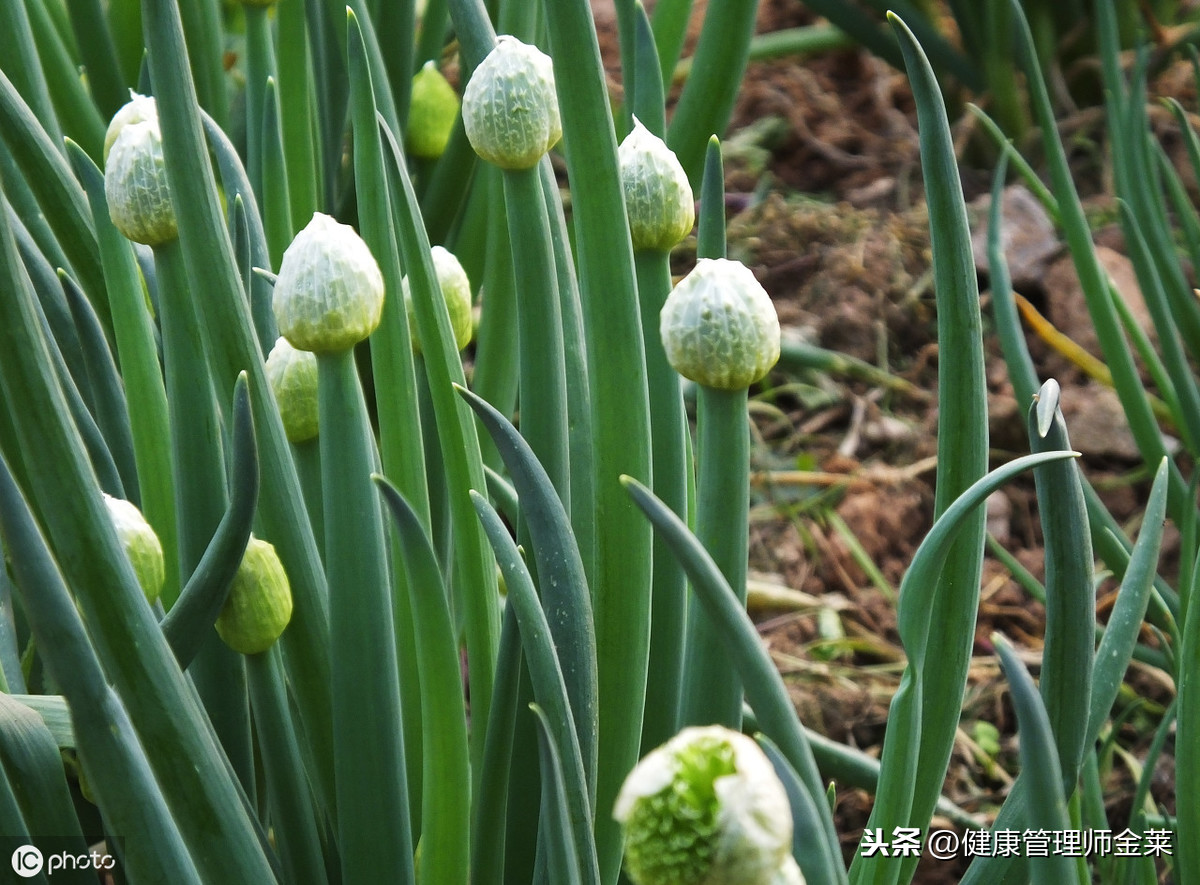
x=296 y=104
x=712 y=693
x=542 y=380
x=295 y=824
x=260 y=64
x=495 y=377
x=374 y=834
x=707 y=99
x=99 y=55
x=445 y=809
x=668 y=426
x=670 y=28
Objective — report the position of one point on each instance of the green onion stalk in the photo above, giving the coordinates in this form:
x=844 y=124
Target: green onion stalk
x=621 y=572
x=260 y=65
x=661 y=210
x=328 y=297
x=510 y=112
x=720 y=330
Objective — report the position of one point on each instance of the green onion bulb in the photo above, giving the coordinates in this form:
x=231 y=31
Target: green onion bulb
x=706 y=808
x=259 y=605
x=719 y=327
x=658 y=198
x=432 y=110
x=456 y=289
x=329 y=292
x=141 y=545
x=510 y=107
x=292 y=375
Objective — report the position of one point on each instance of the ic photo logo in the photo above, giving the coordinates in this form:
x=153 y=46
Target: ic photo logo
x=27 y=861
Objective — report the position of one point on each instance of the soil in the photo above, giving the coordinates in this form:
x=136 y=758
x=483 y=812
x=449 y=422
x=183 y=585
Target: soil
x=825 y=203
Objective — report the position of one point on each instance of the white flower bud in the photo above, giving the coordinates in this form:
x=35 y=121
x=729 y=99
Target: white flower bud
x=456 y=289
x=432 y=110
x=658 y=198
x=329 y=292
x=259 y=605
x=510 y=107
x=135 y=185
x=292 y=375
x=719 y=327
x=706 y=807
x=141 y=545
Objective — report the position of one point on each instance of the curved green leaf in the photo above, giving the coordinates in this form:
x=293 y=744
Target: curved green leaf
x=809 y=846
x=564 y=588
x=1047 y=810
x=549 y=687
x=445 y=815
x=189 y=622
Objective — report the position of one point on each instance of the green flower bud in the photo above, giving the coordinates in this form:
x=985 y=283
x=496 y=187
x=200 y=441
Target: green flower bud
x=706 y=807
x=329 y=292
x=141 y=545
x=260 y=601
x=292 y=375
x=456 y=289
x=658 y=198
x=138 y=109
x=719 y=327
x=510 y=107
x=432 y=110
x=135 y=184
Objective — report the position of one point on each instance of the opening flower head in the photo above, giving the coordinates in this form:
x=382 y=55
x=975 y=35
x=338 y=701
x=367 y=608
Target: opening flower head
x=706 y=808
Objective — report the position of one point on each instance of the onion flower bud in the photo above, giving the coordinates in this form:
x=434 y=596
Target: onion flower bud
x=135 y=185
x=259 y=605
x=456 y=289
x=432 y=111
x=292 y=375
x=706 y=808
x=329 y=292
x=658 y=198
x=719 y=327
x=138 y=109
x=510 y=107
x=141 y=545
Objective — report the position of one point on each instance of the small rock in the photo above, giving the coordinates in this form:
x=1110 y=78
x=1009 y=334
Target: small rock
x=1096 y=423
x=1067 y=309
x=1027 y=236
